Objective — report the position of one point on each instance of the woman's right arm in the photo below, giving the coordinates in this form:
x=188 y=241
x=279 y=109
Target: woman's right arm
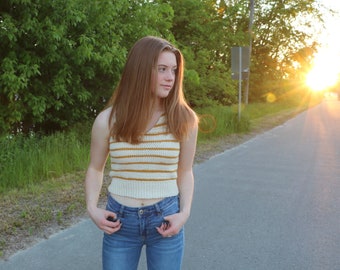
x=94 y=176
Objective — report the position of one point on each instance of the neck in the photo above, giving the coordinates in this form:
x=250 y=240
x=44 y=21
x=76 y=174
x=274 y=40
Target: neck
x=158 y=105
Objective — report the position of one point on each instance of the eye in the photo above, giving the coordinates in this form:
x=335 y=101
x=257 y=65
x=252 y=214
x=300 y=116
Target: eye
x=161 y=69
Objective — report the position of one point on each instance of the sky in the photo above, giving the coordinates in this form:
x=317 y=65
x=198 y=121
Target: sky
x=326 y=69
x=329 y=54
x=330 y=36
x=332 y=23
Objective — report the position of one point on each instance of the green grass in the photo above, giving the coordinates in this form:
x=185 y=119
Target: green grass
x=28 y=161
x=42 y=178
x=219 y=121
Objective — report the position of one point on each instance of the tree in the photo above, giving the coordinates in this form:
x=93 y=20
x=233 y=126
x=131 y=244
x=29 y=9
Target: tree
x=203 y=32
x=60 y=60
x=279 y=36
x=50 y=53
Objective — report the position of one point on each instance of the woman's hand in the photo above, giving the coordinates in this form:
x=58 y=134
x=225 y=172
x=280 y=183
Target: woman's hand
x=102 y=218
x=172 y=225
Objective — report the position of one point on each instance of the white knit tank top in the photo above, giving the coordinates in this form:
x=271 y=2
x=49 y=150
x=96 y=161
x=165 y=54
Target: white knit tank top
x=146 y=170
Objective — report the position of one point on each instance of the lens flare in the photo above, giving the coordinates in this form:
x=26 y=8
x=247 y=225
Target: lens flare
x=325 y=73
x=207 y=123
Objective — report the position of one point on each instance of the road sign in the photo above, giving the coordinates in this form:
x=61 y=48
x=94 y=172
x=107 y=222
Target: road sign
x=239 y=62
x=240 y=70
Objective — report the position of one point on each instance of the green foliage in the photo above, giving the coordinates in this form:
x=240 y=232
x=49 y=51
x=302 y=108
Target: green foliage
x=200 y=29
x=218 y=121
x=50 y=55
x=143 y=18
x=26 y=161
x=60 y=60
x=281 y=41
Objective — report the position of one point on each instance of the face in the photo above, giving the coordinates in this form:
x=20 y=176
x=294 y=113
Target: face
x=166 y=73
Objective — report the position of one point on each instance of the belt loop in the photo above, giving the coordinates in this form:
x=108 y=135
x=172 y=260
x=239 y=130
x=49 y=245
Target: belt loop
x=121 y=210
x=158 y=209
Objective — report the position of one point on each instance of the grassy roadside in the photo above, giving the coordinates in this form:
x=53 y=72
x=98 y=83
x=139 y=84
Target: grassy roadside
x=29 y=215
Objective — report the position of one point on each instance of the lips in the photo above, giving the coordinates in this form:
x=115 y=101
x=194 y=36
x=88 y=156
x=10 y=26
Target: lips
x=168 y=87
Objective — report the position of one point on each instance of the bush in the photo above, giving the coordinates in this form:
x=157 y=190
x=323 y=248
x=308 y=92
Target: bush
x=27 y=160
x=218 y=121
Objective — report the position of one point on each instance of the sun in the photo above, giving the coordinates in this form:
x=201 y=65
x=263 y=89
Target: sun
x=325 y=72
x=319 y=79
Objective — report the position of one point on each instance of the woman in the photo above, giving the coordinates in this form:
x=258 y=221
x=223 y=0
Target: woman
x=150 y=133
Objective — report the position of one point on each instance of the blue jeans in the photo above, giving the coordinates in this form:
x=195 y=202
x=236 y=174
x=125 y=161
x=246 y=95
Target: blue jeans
x=121 y=250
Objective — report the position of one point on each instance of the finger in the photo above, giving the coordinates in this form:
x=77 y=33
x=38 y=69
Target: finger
x=163 y=226
x=111 y=230
x=111 y=216
x=109 y=222
x=161 y=230
x=165 y=232
x=112 y=224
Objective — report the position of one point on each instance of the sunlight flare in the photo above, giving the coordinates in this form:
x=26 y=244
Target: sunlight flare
x=325 y=72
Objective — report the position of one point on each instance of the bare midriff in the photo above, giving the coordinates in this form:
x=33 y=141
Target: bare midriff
x=134 y=202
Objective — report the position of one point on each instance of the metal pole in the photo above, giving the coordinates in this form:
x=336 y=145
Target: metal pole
x=251 y=19
x=240 y=84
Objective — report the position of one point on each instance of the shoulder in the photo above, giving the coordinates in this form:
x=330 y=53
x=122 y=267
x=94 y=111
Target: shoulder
x=193 y=118
x=104 y=115
x=101 y=123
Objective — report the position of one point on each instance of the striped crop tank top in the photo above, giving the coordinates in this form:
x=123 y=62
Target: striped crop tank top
x=146 y=170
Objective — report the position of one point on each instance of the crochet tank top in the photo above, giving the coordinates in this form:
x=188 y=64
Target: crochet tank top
x=146 y=170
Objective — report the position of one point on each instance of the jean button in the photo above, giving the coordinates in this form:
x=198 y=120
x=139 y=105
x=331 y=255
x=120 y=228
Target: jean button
x=141 y=211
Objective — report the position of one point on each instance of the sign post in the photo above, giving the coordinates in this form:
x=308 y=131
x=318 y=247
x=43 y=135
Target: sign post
x=240 y=70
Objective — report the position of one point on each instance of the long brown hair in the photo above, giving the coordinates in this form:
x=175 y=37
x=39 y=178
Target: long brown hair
x=133 y=99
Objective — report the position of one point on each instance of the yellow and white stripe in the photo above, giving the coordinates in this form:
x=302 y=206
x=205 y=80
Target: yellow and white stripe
x=148 y=169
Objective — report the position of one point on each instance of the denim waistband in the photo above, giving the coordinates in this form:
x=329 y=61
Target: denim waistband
x=145 y=210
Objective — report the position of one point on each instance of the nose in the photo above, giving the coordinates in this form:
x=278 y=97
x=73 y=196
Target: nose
x=170 y=75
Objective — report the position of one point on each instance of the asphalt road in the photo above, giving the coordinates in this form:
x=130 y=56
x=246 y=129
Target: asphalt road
x=272 y=203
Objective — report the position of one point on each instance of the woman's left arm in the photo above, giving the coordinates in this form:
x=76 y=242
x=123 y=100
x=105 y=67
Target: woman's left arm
x=185 y=178
x=185 y=182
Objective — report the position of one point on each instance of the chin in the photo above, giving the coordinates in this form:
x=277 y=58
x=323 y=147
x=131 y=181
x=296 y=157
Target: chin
x=163 y=95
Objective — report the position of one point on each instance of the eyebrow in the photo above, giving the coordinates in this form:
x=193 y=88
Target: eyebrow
x=163 y=65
